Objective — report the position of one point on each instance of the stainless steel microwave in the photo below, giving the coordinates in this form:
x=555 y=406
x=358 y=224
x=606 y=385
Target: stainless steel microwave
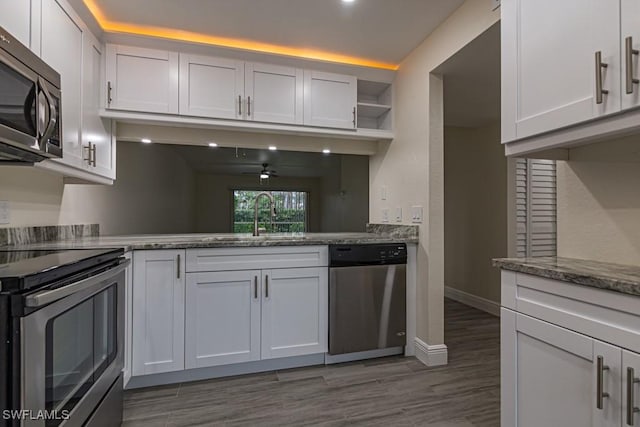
x=30 y=105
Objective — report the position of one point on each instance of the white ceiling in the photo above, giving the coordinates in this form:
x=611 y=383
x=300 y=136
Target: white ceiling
x=472 y=82
x=380 y=30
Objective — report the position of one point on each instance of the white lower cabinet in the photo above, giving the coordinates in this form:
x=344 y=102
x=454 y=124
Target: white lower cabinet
x=222 y=318
x=556 y=374
x=294 y=312
x=158 y=311
x=249 y=315
x=570 y=354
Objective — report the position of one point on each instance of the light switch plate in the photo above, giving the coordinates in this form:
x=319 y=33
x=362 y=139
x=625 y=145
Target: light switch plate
x=385 y=215
x=398 y=214
x=5 y=213
x=416 y=214
x=383 y=192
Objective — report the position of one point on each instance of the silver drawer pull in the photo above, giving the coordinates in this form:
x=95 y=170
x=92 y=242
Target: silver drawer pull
x=255 y=287
x=631 y=399
x=629 y=53
x=600 y=393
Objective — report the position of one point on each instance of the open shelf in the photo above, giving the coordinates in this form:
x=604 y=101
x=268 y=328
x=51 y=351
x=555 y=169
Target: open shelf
x=374 y=105
x=366 y=109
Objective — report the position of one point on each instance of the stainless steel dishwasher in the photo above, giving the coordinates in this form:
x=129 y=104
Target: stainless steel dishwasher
x=367 y=301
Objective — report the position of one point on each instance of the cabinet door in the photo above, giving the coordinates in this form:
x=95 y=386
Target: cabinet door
x=15 y=17
x=630 y=389
x=158 y=311
x=142 y=80
x=548 y=63
x=223 y=319
x=211 y=87
x=61 y=46
x=630 y=43
x=330 y=100
x=294 y=312
x=274 y=94
x=549 y=376
x=95 y=130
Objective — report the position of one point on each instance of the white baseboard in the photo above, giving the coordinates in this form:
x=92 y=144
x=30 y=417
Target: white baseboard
x=431 y=355
x=471 y=300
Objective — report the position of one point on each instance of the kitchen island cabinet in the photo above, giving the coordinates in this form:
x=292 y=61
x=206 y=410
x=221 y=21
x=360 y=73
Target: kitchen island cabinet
x=570 y=343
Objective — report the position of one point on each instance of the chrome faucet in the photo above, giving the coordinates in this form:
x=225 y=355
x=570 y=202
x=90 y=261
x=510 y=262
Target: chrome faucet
x=256 y=231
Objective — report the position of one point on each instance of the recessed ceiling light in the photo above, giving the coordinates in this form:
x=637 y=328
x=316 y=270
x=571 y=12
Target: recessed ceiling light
x=348 y=1
x=213 y=144
x=326 y=151
x=146 y=140
x=273 y=148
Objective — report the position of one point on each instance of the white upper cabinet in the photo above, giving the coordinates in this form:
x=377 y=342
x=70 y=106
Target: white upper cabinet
x=61 y=46
x=141 y=79
x=294 y=312
x=330 y=100
x=158 y=311
x=629 y=46
x=15 y=17
x=550 y=50
x=222 y=318
x=99 y=149
x=274 y=93
x=211 y=87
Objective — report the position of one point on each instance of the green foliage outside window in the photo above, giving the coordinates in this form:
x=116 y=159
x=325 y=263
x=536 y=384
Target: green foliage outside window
x=291 y=211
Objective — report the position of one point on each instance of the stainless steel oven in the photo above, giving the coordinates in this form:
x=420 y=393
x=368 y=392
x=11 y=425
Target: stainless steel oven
x=30 y=105
x=69 y=348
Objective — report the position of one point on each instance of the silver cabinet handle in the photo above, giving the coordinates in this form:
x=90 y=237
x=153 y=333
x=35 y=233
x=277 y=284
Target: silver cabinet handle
x=109 y=98
x=239 y=105
x=91 y=154
x=255 y=287
x=266 y=286
x=600 y=393
x=178 y=263
x=249 y=106
x=354 y=117
x=631 y=400
x=629 y=52
x=599 y=90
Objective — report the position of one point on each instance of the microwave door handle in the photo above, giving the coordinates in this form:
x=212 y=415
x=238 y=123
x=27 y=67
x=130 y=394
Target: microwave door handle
x=29 y=105
x=53 y=112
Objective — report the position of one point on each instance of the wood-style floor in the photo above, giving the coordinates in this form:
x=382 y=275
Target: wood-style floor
x=394 y=391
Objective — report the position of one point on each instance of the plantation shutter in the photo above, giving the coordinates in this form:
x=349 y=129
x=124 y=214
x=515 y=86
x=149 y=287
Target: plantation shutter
x=536 y=208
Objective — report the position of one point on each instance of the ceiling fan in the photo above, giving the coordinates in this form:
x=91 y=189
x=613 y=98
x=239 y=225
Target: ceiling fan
x=265 y=173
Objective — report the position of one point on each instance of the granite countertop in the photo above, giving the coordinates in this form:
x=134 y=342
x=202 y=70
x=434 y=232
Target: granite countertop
x=602 y=275
x=188 y=241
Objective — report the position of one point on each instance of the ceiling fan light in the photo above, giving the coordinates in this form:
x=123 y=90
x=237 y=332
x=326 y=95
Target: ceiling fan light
x=264 y=176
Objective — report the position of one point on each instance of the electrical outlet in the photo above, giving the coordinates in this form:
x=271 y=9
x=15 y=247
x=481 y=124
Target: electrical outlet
x=398 y=214
x=416 y=214
x=5 y=213
x=385 y=215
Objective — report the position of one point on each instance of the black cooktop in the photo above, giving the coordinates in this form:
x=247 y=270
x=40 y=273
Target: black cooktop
x=26 y=270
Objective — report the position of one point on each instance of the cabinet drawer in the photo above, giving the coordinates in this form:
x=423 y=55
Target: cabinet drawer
x=606 y=315
x=227 y=259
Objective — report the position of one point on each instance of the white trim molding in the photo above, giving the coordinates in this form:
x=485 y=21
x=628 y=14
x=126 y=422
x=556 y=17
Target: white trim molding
x=431 y=355
x=471 y=300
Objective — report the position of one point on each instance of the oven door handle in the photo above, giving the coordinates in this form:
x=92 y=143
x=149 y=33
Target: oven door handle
x=47 y=297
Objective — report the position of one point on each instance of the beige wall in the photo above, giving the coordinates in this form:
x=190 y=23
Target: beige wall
x=411 y=166
x=475 y=209
x=599 y=202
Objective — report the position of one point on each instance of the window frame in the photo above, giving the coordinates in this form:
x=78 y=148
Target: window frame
x=233 y=189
